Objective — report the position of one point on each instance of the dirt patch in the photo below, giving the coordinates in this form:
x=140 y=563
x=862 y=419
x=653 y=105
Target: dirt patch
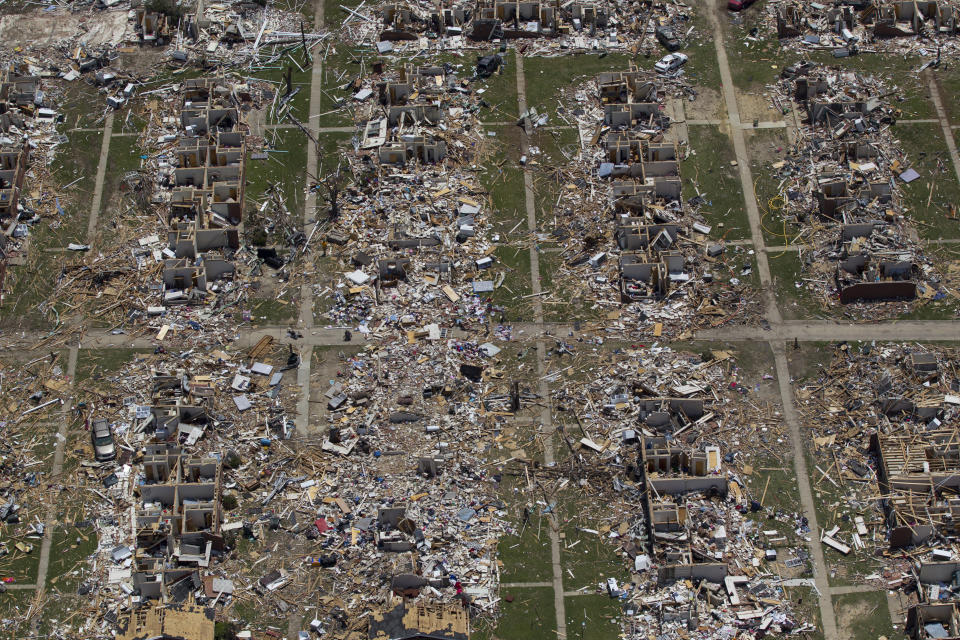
x=766 y=146
x=328 y=364
x=850 y=616
x=142 y=61
x=708 y=105
x=806 y=359
x=756 y=107
x=47 y=28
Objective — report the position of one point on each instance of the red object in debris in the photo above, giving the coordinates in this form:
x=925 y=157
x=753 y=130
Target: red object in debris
x=739 y=5
x=7 y=580
x=321 y=525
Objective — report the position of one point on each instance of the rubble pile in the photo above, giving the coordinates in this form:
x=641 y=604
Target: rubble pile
x=28 y=142
x=924 y=28
x=642 y=249
x=224 y=35
x=174 y=427
x=841 y=187
x=33 y=396
x=183 y=262
x=670 y=440
x=394 y=497
x=411 y=233
x=883 y=420
x=248 y=34
x=547 y=27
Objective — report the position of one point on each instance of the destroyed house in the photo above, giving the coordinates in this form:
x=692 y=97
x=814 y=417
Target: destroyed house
x=17 y=93
x=422 y=149
x=402 y=23
x=794 y=19
x=413 y=103
x=13 y=169
x=677 y=476
x=871 y=278
x=423 y=83
x=151 y=27
x=174 y=622
x=933 y=621
x=17 y=90
x=648 y=263
x=178 y=420
x=635 y=158
x=495 y=19
x=421 y=621
x=841 y=112
x=919 y=475
x=207 y=196
x=18 y=96
x=882 y=20
x=868 y=269
x=678 y=472
x=178 y=519
x=186 y=281
x=852 y=184
x=937 y=614
x=626 y=87
x=512 y=19
x=936 y=578
x=912 y=18
x=656 y=246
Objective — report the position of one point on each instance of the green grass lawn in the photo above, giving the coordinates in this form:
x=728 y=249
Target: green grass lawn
x=13 y=613
x=757 y=62
x=531 y=615
x=804 y=602
x=285 y=168
x=31 y=284
x=569 y=299
x=20 y=566
x=81 y=106
x=526 y=557
x=949 y=79
x=702 y=70
x=500 y=91
x=333 y=13
x=592 y=617
x=342 y=64
x=795 y=303
x=332 y=148
x=808 y=361
x=928 y=198
x=70 y=548
x=591 y=558
x=515 y=262
x=269 y=312
x=116 y=210
x=301 y=73
x=96 y=363
x=547 y=77
x=557 y=148
x=863 y=616
x=502 y=177
x=707 y=171
x=765 y=147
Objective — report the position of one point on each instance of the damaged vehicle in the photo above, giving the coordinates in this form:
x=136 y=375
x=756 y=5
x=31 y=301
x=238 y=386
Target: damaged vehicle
x=101 y=435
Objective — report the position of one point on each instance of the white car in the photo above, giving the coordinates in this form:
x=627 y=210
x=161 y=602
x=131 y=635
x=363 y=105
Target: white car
x=670 y=62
